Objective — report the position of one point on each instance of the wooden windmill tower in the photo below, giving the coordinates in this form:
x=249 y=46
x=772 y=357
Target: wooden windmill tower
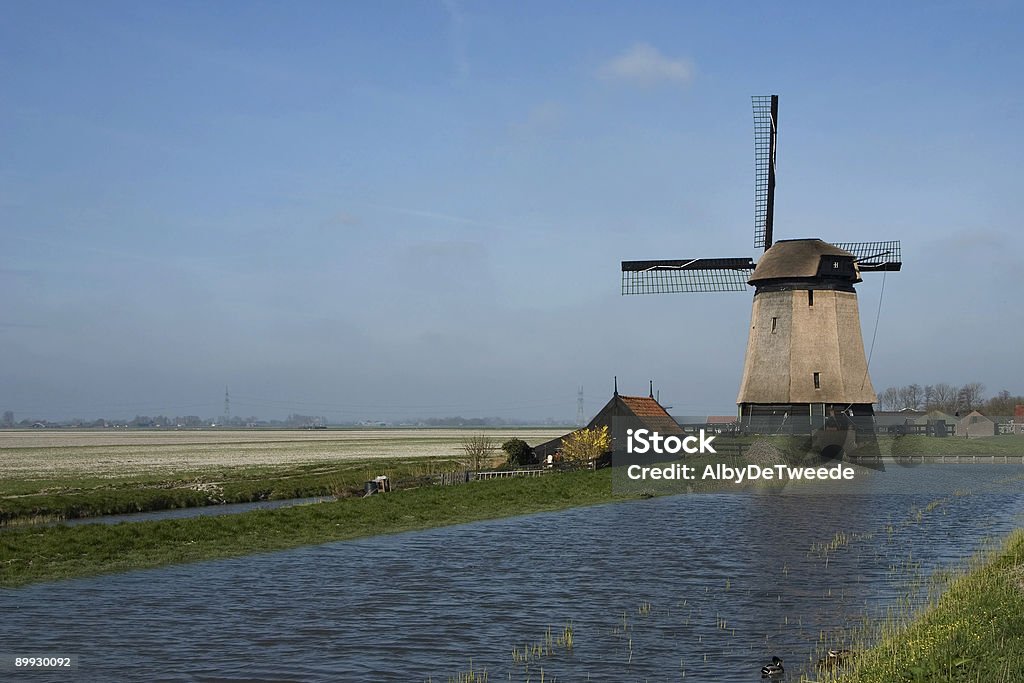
x=805 y=359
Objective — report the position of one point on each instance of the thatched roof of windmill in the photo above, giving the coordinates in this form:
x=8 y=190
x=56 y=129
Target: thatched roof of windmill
x=794 y=258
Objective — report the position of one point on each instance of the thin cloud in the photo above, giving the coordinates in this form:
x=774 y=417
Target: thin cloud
x=345 y=218
x=123 y=255
x=31 y=326
x=457 y=37
x=977 y=238
x=645 y=66
x=434 y=215
x=545 y=117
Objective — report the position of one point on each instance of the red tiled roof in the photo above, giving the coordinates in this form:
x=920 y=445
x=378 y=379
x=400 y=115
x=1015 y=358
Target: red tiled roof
x=644 y=406
x=651 y=414
x=721 y=419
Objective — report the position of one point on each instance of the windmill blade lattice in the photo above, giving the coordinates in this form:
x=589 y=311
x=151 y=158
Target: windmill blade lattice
x=766 y=125
x=686 y=275
x=875 y=256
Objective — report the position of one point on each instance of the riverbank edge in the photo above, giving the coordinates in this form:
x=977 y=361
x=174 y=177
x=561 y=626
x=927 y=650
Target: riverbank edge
x=35 y=555
x=970 y=633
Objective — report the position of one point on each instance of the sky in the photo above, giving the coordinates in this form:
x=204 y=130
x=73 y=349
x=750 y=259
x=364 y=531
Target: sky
x=382 y=210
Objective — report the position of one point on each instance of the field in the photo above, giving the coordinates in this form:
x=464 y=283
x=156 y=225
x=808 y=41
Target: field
x=48 y=475
x=119 y=453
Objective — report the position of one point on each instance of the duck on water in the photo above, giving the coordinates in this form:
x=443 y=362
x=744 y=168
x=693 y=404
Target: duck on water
x=773 y=671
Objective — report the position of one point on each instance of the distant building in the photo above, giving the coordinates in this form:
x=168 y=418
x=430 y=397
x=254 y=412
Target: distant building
x=713 y=424
x=909 y=421
x=975 y=425
x=643 y=412
x=1016 y=425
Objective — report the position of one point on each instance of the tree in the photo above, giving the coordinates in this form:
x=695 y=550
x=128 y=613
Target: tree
x=1002 y=404
x=519 y=452
x=909 y=396
x=889 y=399
x=478 y=449
x=945 y=398
x=929 y=397
x=970 y=397
x=584 y=446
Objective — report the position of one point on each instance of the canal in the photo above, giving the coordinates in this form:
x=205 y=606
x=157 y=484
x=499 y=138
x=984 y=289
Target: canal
x=702 y=587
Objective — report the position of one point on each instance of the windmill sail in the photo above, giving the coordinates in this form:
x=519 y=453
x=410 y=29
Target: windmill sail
x=686 y=275
x=874 y=256
x=766 y=122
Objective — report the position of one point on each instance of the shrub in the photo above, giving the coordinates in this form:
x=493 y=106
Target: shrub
x=519 y=453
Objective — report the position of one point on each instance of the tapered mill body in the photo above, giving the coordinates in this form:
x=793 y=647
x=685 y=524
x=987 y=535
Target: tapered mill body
x=805 y=354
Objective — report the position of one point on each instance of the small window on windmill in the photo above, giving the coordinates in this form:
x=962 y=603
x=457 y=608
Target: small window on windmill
x=775 y=322
x=817 y=380
x=835 y=265
x=810 y=297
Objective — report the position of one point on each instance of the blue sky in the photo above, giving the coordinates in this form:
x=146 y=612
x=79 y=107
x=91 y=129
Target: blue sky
x=389 y=209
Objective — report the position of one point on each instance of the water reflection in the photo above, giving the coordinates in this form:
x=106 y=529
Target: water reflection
x=730 y=580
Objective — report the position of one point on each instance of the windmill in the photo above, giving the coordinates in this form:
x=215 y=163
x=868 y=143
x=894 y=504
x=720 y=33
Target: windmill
x=805 y=361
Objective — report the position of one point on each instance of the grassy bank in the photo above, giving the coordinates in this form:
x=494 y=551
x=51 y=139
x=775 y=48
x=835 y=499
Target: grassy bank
x=973 y=633
x=35 y=499
x=1004 y=444
x=42 y=554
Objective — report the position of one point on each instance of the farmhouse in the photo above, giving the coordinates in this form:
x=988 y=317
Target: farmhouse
x=639 y=412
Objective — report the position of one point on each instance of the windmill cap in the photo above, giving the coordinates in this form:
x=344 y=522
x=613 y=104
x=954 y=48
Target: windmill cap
x=802 y=258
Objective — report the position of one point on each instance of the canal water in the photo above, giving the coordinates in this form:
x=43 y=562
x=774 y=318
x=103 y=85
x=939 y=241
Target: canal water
x=702 y=587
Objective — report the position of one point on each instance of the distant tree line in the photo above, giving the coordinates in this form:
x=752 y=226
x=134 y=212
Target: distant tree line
x=463 y=422
x=164 y=422
x=948 y=398
x=295 y=420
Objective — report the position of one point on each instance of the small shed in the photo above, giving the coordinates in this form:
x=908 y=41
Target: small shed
x=975 y=425
x=940 y=423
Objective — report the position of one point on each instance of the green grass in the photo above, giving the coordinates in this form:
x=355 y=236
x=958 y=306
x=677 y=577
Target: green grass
x=973 y=633
x=71 y=498
x=42 y=554
x=1004 y=444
